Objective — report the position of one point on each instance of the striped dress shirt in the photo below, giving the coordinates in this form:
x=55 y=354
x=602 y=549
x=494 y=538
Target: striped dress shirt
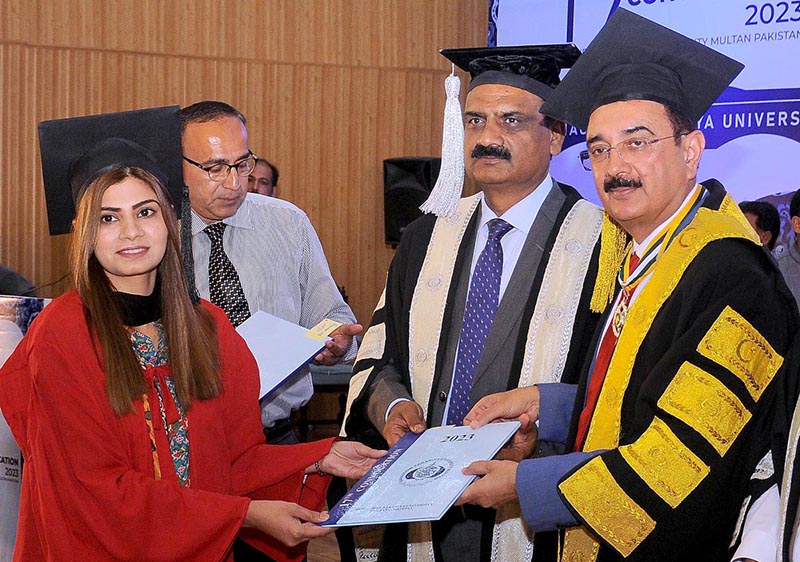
x=283 y=271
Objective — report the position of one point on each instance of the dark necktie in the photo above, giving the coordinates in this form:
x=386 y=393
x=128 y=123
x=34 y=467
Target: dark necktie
x=223 y=281
x=482 y=301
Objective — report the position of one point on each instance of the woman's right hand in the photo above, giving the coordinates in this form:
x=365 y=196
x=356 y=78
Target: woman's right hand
x=290 y=523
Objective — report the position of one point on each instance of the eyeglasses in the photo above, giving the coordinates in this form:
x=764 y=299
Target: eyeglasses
x=219 y=172
x=632 y=151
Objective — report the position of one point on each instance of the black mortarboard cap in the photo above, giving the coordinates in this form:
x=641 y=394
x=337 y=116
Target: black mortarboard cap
x=534 y=68
x=76 y=151
x=633 y=58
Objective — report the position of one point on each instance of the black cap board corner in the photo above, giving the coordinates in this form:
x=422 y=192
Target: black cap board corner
x=76 y=150
x=633 y=58
x=534 y=68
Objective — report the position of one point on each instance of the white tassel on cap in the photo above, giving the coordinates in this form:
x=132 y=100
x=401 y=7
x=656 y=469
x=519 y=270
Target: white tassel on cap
x=446 y=193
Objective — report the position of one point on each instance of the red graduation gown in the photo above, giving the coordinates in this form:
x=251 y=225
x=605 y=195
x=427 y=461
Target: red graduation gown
x=88 y=486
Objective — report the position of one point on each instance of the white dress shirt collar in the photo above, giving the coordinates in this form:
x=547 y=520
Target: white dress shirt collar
x=523 y=213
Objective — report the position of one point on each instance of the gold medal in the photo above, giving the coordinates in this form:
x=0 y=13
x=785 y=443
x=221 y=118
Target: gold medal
x=620 y=314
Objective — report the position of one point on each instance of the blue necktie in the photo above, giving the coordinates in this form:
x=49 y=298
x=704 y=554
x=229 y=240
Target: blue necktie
x=482 y=300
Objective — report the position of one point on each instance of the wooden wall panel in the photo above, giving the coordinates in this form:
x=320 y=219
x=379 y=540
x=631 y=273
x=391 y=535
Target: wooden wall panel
x=330 y=89
x=378 y=33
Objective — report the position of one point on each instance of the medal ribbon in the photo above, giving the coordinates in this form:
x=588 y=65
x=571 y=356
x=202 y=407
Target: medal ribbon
x=629 y=278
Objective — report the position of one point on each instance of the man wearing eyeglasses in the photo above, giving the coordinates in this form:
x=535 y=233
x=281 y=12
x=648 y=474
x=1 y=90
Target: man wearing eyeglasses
x=675 y=410
x=269 y=256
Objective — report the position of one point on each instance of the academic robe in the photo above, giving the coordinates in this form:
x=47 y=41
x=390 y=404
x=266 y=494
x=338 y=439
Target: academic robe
x=786 y=444
x=88 y=487
x=686 y=410
x=502 y=358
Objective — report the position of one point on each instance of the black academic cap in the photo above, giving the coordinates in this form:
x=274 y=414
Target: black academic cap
x=76 y=151
x=534 y=68
x=633 y=58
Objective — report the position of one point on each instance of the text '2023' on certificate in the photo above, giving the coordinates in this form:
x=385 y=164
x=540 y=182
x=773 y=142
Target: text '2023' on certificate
x=420 y=477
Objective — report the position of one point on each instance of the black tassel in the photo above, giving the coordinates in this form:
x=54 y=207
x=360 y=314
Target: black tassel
x=186 y=246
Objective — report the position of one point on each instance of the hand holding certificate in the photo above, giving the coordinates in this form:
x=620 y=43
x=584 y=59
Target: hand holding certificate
x=420 y=477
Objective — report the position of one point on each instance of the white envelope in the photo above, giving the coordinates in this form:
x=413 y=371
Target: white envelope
x=281 y=348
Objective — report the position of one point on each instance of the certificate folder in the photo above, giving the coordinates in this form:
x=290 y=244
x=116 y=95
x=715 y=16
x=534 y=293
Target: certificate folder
x=281 y=348
x=420 y=478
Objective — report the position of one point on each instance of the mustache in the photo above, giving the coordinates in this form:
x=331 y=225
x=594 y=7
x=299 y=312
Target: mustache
x=492 y=150
x=615 y=182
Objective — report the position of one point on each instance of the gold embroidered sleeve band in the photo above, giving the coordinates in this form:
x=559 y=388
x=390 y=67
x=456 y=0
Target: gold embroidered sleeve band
x=702 y=402
x=736 y=345
x=606 y=508
x=666 y=465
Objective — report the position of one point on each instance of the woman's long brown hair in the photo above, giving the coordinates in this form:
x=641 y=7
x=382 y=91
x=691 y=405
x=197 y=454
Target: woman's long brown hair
x=189 y=329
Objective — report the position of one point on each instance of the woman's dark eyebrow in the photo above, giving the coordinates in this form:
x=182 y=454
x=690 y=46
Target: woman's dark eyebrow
x=136 y=206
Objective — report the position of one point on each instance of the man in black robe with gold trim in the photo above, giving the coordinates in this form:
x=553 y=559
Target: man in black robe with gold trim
x=675 y=410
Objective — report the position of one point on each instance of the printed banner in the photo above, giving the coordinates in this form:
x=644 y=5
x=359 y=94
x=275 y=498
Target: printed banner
x=16 y=315
x=752 y=132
